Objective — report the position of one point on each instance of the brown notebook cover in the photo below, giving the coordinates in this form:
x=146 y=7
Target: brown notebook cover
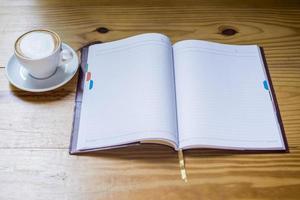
x=78 y=101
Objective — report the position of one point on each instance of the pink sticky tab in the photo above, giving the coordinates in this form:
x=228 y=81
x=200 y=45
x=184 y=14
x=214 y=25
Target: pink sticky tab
x=88 y=76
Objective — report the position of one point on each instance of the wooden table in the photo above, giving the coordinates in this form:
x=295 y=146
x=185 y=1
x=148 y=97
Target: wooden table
x=35 y=128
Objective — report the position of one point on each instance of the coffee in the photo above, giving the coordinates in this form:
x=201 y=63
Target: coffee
x=37 y=44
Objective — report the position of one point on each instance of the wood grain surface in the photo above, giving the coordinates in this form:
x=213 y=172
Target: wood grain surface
x=35 y=128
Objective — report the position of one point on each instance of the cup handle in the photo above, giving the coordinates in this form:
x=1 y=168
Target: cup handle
x=66 y=56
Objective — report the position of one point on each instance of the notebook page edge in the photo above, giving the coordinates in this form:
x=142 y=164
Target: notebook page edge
x=78 y=101
x=274 y=98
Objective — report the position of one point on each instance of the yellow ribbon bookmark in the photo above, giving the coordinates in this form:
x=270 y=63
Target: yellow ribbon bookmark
x=182 y=165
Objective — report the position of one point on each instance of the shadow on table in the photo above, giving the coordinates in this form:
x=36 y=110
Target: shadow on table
x=163 y=154
x=44 y=97
x=156 y=153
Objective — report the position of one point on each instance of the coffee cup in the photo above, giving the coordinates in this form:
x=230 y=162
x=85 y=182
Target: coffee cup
x=41 y=53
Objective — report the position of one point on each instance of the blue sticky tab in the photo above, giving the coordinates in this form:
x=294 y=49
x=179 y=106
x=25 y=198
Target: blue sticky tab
x=91 y=84
x=266 y=85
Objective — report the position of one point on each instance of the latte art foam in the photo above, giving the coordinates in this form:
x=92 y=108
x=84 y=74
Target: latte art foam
x=37 y=44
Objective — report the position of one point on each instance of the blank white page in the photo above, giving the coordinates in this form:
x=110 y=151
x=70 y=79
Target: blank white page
x=221 y=99
x=133 y=93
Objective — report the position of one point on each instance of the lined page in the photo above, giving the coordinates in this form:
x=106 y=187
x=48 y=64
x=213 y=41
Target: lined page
x=132 y=96
x=221 y=98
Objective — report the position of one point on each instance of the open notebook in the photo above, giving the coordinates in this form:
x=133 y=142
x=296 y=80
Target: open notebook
x=192 y=94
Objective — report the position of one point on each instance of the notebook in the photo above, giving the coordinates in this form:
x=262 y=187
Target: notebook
x=191 y=94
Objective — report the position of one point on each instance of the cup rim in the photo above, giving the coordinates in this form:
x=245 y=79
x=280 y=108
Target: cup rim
x=32 y=59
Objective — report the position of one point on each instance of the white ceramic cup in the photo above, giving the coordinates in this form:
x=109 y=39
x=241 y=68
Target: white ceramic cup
x=44 y=67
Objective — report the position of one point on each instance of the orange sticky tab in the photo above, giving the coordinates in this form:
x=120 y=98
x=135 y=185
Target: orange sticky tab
x=88 y=76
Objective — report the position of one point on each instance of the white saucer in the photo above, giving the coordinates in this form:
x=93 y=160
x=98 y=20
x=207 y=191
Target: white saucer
x=19 y=77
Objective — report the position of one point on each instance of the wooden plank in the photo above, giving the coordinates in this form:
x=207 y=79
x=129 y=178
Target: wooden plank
x=273 y=27
x=36 y=120
x=157 y=3
x=146 y=173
